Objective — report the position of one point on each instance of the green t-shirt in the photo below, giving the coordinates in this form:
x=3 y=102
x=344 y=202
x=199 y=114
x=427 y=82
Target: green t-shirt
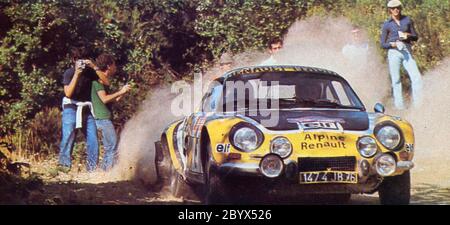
x=101 y=110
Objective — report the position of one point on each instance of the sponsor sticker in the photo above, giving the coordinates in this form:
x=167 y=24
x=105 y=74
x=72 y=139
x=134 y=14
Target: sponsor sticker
x=319 y=125
x=223 y=148
x=315 y=123
x=409 y=147
x=322 y=141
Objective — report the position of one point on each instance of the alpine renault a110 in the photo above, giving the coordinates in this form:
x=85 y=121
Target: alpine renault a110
x=286 y=131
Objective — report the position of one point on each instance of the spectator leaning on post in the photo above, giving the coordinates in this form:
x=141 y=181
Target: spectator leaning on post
x=273 y=46
x=397 y=35
x=103 y=115
x=77 y=109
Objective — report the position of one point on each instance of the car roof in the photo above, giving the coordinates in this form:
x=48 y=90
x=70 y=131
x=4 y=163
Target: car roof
x=276 y=68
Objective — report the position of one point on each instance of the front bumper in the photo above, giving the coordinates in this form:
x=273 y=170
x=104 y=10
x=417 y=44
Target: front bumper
x=252 y=169
x=288 y=182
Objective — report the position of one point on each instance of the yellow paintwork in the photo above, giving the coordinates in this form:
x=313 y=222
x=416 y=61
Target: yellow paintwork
x=336 y=148
x=340 y=143
x=219 y=129
x=169 y=135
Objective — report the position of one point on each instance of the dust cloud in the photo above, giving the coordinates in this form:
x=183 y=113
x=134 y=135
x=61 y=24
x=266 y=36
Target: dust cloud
x=430 y=123
x=324 y=46
x=306 y=44
x=136 y=146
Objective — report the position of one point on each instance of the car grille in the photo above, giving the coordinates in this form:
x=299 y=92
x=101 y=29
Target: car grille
x=323 y=164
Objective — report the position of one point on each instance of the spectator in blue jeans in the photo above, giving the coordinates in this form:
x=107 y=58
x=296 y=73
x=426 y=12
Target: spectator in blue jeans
x=102 y=109
x=77 y=109
x=397 y=36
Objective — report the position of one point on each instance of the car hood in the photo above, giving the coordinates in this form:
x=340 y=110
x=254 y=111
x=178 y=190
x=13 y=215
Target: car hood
x=291 y=119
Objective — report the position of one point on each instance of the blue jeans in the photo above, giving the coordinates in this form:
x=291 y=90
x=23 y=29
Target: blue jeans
x=397 y=58
x=109 y=139
x=68 y=137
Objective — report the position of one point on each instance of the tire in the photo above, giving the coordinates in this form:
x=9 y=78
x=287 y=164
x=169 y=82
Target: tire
x=395 y=190
x=176 y=183
x=163 y=165
x=168 y=176
x=216 y=189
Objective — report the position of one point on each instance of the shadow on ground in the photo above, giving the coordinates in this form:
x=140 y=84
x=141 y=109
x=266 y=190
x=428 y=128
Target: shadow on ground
x=15 y=190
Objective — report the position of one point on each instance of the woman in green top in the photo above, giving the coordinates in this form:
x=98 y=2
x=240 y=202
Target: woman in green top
x=100 y=99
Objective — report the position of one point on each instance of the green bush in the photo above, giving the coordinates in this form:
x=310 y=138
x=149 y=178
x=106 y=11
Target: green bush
x=41 y=136
x=245 y=25
x=149 y=39
x=157 y=41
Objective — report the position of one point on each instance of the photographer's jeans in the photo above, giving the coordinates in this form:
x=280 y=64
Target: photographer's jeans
x=89 y=130
x=397 y=58
x=109 y=139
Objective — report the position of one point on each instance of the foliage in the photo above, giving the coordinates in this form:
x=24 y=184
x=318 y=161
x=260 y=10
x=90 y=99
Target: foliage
x=40 y=136
x=147 y=38
x=157 y=41
x=244 y=25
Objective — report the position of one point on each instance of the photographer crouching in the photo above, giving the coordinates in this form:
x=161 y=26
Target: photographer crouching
x=78 y=111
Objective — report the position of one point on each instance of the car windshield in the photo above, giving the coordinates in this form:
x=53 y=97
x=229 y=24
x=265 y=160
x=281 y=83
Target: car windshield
x=288 y=90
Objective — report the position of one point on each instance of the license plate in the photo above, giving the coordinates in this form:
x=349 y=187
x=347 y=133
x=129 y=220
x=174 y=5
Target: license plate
x=328 y=177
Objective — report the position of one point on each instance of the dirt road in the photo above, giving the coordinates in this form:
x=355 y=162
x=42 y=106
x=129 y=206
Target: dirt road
x=127 y=192
x=82 y=188
x=430 y=185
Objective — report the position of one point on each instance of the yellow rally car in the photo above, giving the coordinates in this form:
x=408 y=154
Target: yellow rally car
x=286 y=131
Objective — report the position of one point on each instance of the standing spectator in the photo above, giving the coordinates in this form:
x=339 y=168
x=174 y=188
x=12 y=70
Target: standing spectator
x=102 y=109
x=358 y=48
x=273 y=46
x=225 y=63
x=77 y=109
x=397 y=36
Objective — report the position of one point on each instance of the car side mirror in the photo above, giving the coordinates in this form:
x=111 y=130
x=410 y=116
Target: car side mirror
x=379 y=108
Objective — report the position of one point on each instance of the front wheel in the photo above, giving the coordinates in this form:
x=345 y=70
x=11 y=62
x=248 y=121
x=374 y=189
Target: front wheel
x=168 y=176
x=162 y=164
x=395 y=190
x=176 y=184
x=215 y=188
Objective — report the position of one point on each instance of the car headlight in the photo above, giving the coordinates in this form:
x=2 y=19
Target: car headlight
x=385 y=165
x=246 y=138
x=271 y=166
x=281 y=146
x=367 y=146
x=389 y=136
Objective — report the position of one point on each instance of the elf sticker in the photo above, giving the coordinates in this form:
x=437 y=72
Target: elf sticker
x=223 y=148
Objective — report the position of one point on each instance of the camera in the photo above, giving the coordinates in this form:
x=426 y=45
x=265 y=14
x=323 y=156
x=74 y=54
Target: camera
x=402 y=35
x=81 y=64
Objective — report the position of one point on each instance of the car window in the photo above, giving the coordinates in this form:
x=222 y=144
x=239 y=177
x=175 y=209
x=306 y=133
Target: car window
x=212 y=97
x=291 y=91
x=340 y=91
